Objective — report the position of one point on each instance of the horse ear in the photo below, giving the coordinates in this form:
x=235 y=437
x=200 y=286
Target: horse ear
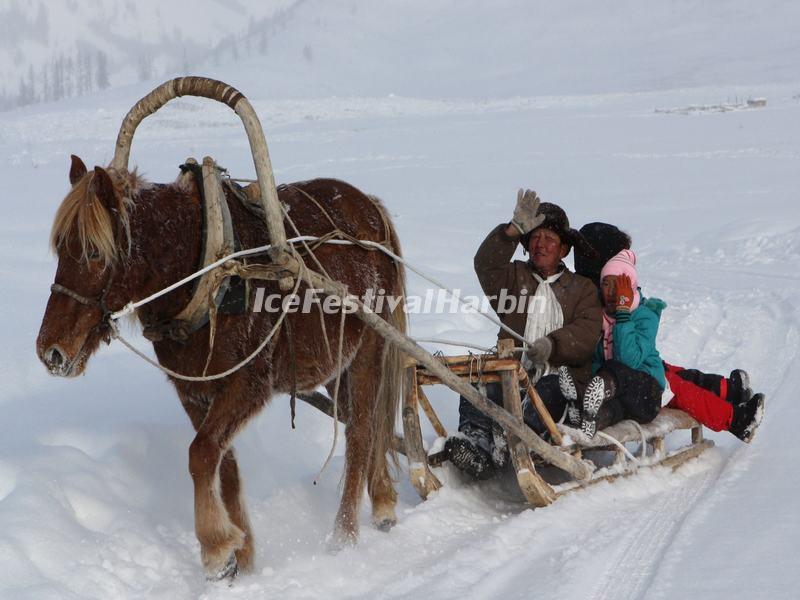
x=76 y=170
x=103 y=188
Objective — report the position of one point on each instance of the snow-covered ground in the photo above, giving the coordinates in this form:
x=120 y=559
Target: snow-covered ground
x=95 y=496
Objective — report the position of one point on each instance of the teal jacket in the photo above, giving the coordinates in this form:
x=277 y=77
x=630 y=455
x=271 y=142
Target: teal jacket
x=635 y=340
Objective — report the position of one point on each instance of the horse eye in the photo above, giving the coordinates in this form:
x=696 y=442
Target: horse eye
x=94 y=255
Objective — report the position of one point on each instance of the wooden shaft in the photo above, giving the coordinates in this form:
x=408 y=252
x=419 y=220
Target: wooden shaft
x=577 y=468
x=430 y=413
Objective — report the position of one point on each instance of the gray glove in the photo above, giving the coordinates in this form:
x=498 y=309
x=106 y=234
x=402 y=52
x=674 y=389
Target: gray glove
x=539 y=352
x=525 y=218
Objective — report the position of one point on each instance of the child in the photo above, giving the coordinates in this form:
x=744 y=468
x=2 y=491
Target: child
x=719 y=403
x=629 y=379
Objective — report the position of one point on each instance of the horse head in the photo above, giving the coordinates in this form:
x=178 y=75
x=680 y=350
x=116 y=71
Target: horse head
x=90 y=237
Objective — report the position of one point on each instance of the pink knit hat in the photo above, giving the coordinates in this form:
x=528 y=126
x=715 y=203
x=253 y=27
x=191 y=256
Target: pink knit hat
x=623 y=263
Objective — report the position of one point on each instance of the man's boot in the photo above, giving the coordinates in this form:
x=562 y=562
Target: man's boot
x=470 y=451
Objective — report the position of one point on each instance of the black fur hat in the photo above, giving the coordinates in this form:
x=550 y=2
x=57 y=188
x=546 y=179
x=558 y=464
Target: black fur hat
x=555 y=219
x=605 y=241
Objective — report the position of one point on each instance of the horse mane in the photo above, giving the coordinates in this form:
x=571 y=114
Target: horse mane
x=84 y=214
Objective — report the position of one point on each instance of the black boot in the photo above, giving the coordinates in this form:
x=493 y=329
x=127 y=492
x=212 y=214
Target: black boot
x=739 y=391
x=570 y=392
x=747 y=417
x=601 y=388
x=470 y=452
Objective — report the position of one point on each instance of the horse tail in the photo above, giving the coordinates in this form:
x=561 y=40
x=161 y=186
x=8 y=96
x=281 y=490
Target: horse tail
x=392 y=361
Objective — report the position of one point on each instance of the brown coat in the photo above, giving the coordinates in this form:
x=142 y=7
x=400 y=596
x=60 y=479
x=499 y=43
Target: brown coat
x=574 y=344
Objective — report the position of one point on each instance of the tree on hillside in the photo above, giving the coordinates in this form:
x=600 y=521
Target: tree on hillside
x=101 y=73
x=41 y=26
x=144 y=67
x=69 y=77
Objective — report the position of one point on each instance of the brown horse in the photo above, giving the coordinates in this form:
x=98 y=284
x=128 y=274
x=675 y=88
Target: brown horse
x=119 y=239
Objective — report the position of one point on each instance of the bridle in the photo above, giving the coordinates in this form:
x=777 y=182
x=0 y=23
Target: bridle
x=57 y=288
x=98 y=302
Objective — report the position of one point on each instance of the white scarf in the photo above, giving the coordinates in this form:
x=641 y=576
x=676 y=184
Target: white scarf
x=544 y=316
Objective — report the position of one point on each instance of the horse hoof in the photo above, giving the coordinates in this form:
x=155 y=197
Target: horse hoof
x=339 y=540
x=228 y=571
x=385 y=524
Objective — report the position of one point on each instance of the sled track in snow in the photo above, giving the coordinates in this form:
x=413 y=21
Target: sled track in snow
x=635 y=562
x=639 y=556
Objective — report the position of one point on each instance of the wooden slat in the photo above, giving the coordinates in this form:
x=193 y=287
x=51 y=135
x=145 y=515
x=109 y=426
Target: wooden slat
x=430 y=413
x=423 y=480
x=475 y=367
x=458 y=359
x=434 y=380
x=536 y=490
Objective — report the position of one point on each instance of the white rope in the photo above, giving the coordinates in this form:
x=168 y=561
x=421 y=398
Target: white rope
x=619 y=445
x=182 y=377
x=132 y=306
x=440 y=285
x=335 y=400
x=644 y=439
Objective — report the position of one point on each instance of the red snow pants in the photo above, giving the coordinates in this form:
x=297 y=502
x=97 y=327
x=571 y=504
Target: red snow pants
x=701 y=395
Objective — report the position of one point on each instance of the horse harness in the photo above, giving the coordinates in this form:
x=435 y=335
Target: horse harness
x=211 y=291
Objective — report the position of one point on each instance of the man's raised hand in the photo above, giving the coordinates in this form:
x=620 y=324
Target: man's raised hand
x=525 y=217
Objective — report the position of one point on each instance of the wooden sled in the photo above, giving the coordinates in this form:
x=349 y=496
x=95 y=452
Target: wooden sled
x=503 y=368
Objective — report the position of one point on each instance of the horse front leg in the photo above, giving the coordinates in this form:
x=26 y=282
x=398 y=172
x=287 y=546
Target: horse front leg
x=233 y=499
x=220 y=519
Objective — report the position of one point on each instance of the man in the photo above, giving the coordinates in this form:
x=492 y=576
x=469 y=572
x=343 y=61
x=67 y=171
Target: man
x=561 y=316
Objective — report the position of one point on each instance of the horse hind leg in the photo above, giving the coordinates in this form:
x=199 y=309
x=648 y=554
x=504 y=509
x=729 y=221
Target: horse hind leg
x=357 y=449
x=379 y=481
x=382 y=495
x=360 y=383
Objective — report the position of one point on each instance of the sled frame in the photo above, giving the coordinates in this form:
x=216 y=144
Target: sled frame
x=503 y=368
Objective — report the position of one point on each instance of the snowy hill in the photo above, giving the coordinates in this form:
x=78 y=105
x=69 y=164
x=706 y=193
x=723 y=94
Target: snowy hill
x=57 y=49
x=477 y=49
x=95 y=497
x=431 y=48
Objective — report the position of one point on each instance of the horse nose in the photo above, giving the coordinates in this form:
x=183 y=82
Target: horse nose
x=54 y=358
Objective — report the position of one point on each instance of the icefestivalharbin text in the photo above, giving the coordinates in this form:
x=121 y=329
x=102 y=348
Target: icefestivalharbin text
x=432 y=302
